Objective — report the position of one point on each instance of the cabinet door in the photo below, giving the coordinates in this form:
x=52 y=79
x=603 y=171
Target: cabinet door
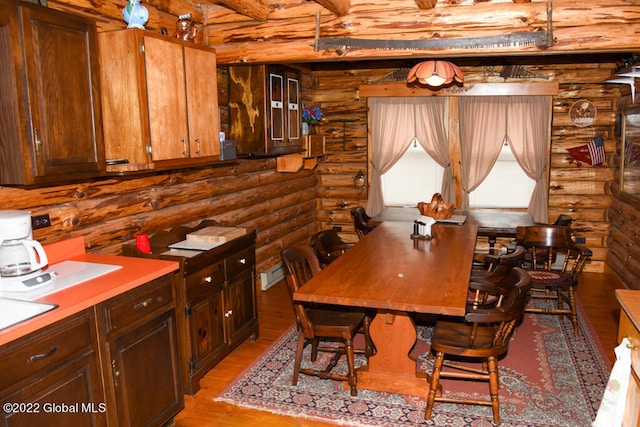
x=276 y=108
x=202 y=100
x=68 y=396
x=145 y=373
x=58 y=97
x=241 y=313
x=166 y=94
x=206 y=326
x=294 y=108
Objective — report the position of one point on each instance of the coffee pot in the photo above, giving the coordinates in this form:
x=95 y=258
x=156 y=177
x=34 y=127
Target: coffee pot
x=19 y=253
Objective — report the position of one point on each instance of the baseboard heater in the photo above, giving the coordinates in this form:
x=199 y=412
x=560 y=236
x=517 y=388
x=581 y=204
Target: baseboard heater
x=271 y=276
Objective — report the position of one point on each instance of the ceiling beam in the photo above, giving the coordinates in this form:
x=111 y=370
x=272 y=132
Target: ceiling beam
x=426 y=4
x=338 y=7
x=254 y=9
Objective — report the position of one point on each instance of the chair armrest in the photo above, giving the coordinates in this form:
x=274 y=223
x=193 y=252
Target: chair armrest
x=487 y=287
x=586 y=252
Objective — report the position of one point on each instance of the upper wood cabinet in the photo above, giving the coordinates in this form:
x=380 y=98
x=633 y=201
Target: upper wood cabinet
x=50 y=111
x=265 y=109
x=160 y=100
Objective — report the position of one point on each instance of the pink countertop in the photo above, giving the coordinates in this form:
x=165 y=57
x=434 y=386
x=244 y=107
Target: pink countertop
x=134 y=272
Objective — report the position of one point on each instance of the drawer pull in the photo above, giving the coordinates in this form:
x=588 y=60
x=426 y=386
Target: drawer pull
x=208 y=279
x=228 y=313
x=41 y=356
x=243 y=261
x=143 y=304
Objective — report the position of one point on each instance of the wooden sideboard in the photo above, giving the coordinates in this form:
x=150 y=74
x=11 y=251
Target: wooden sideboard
x=630 y=328
x=215 y=295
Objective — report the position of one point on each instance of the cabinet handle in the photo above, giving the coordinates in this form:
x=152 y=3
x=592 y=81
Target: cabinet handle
x=184 y=147
x=242 y=261
x=143 y=304
x=37 y=141
x=149 y=149
x=198 y=146
x=208 y=279
x=41 y=356
x=228 y=313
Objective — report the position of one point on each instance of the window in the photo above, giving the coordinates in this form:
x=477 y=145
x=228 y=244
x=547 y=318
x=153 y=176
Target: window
x=414 y=178
x=507 y=186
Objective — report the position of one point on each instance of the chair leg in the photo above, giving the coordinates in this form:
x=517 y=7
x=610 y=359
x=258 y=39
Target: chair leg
x=314 y=349
x=494 y=388
x=574 y=311
x=298 y=359
x=352 y=379
x=435 y=381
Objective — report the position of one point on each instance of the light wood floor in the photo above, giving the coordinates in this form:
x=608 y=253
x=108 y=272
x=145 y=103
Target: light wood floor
x=596 y=293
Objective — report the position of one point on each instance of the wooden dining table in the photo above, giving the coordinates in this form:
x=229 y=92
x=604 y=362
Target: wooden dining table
x=398 y=276
x=491 y=223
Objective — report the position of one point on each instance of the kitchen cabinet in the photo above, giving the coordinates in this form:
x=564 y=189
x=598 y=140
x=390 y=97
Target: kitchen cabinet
x=53 y=374
x=50 y=106
x=265 y=109
x=141 y=356
x=160 y=101
x=216 y=297
x=629 y=327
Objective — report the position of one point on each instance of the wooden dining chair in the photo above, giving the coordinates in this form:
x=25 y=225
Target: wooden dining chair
x=482 y=337
x=328 y=245
x=360 y=221
x=554 y=264
x=318 y=324
x=497 y=272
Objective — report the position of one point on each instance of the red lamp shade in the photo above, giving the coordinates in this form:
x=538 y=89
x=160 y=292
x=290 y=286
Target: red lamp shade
x=435 y=73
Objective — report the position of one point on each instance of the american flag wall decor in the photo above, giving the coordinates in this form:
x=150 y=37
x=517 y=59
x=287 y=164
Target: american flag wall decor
x=592 y=153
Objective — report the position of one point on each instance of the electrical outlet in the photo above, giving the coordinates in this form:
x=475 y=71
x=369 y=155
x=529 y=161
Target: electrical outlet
x=337 y=228
x=40 y=221
x=581 y=240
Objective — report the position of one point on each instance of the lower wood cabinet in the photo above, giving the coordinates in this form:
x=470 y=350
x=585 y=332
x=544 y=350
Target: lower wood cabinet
x=216 y=297
x=114 y=364
x=141 y=359
x=52 y=376
x=629 y=327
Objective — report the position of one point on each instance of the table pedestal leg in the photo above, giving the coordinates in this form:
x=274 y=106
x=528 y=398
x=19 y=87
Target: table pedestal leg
x=391 y=369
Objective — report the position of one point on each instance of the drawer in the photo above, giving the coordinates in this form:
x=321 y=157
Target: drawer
x=205 y=279
x=240 y=261
x=156 y=296
x=45 y=348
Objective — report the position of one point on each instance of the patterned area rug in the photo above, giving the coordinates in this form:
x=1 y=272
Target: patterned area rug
x=548 y=378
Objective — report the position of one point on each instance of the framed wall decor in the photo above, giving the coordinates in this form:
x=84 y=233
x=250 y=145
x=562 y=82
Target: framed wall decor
x=582 y=113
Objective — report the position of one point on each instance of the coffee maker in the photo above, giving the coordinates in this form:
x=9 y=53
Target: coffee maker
x=21 y=257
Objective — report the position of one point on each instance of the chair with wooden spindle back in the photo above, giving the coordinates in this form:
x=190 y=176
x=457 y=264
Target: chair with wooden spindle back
x=361 y=221
x=316 y=324
x=555 y=263
x=498 y=267
x=482 y=337
x=328 y=245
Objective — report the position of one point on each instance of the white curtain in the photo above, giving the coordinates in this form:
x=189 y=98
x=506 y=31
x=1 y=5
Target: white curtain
x=394 y=122
x=524 y=121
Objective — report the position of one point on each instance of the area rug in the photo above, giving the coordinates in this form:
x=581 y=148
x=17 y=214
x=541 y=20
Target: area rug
x=548 y=378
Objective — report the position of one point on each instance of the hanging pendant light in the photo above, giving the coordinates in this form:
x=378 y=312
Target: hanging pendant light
x=435 y=73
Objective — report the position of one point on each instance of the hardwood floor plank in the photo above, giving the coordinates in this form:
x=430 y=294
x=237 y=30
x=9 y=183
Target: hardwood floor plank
x=595 y=292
